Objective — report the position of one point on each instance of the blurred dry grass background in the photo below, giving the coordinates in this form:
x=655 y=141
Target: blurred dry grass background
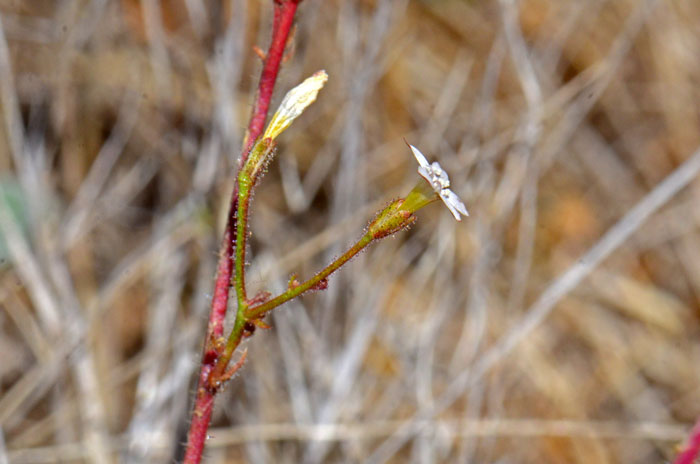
x=544 y=328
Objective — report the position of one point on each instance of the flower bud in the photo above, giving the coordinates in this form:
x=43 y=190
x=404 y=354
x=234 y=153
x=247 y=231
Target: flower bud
x=390 y=220
x=294 y=103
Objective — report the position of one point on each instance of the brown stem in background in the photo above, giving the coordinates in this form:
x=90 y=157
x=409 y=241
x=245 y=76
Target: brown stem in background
x=284 y=11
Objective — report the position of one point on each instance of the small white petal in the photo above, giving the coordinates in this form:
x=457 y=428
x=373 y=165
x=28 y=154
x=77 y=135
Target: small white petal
x=453 y=201
x=449 y=205
x=419 y=157
x=426 y=174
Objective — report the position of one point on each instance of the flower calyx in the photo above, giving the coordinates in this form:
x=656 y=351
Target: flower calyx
x=390 y=220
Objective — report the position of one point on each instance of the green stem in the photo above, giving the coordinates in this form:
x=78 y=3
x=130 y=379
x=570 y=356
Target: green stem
x=261 y=309
x=234 y=339
x=244 y=189
x=244 y=186
x=245 y=314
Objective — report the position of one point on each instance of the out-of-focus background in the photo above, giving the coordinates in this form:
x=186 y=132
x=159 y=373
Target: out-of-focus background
x=558 y=323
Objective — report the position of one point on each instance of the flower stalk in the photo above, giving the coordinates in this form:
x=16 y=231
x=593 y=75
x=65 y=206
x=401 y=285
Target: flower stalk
x=396 y=216
x=247 y=177
x=318 y=281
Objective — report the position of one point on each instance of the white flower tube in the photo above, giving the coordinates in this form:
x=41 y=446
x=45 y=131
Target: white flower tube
x=294 y=103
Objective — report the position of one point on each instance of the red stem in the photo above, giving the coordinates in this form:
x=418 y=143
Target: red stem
x=284 y=11
x=692 y=449
x=282 y=24
x=201 y=416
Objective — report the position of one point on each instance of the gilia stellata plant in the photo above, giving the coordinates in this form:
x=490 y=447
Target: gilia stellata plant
x=397 y=215
x=394 y=217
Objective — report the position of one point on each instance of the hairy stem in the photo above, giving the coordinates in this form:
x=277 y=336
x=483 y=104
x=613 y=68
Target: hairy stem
x=284 y=11
x=294 y=291
x=284 y=18
x=244 y=186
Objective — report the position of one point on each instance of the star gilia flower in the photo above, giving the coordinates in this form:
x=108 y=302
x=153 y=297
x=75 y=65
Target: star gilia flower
x=438 y=179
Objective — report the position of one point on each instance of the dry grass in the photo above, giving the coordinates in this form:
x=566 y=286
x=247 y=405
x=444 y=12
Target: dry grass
x=558 y=323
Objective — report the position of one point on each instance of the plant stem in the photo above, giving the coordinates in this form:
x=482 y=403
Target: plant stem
x=244 y=186
x=692 y=448
x=282 y=24
x=201 y=416
x=218 y=373
x=284 y=11
x=245 y=314
x=293 y=292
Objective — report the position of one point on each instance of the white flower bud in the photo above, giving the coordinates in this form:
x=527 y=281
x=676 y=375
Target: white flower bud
x=294 y=103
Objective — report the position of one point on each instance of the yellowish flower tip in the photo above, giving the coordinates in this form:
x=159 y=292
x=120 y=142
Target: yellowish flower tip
x=294 y=103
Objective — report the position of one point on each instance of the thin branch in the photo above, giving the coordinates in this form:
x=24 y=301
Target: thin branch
x=314 y=282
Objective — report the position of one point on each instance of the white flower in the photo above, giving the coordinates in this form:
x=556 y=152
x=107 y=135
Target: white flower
x=438 y=179
x=294 y=103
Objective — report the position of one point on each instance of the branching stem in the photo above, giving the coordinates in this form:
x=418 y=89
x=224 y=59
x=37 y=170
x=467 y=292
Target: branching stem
x=284 y=12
